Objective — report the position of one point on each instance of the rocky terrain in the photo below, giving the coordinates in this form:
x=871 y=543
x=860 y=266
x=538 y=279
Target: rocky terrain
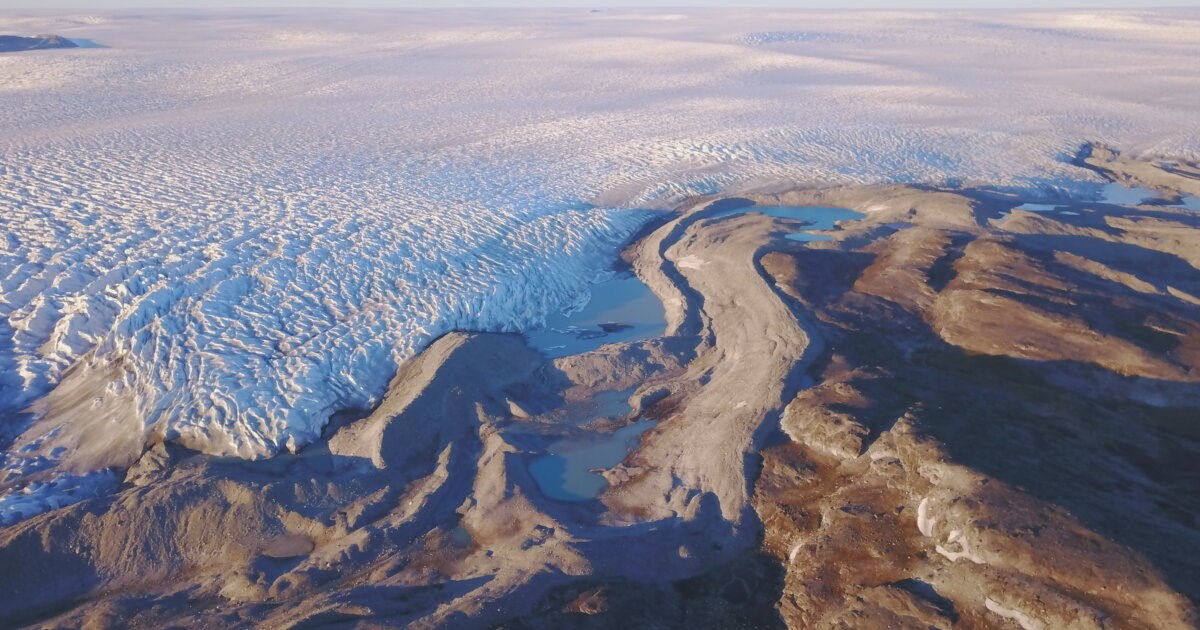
x=16 y=43
x=954 y=413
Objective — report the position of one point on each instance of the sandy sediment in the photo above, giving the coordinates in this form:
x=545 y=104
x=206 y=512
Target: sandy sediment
x=954 y=413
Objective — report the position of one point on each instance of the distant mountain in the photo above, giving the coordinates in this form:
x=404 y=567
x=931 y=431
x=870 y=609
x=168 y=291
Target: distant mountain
x=15 y=43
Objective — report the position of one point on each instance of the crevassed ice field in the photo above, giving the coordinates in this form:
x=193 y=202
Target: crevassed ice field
x=223 y=228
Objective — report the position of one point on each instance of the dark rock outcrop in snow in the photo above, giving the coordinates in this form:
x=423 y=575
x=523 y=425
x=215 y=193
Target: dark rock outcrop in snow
x=16 y=43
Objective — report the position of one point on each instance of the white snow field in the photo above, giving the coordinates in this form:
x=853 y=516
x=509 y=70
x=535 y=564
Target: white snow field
x=222 y=228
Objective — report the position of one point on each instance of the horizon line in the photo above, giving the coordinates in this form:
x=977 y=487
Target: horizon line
x=1038 y=7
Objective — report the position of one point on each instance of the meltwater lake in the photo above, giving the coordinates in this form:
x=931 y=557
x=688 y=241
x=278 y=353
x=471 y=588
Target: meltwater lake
x=1114 y=193
x=564 y=473
x=621 y=309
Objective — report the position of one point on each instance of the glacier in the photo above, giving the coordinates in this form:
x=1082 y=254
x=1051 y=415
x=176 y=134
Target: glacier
x=221 y=228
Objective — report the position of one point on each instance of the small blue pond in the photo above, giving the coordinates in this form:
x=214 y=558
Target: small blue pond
x=564 y=472
x=1122 y=195
x=621 y=309
x=1039 y=207
x=1116 y=194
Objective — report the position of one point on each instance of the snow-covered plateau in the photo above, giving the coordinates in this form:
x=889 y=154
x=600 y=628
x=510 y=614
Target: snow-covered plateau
x=222 y=228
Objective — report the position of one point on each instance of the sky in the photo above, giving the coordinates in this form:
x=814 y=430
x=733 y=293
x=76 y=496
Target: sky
x=800 y=4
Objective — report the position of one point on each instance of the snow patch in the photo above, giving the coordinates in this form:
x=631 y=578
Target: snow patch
x=957 y=537
x=1026 y=622
x=925 y=523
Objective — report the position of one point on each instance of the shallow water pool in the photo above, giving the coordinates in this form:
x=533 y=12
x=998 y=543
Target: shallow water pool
x=1122 y=195
x=1038 y=207
x=564 y=472
x=621 y=309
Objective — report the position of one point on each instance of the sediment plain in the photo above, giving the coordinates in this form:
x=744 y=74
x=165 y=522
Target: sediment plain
x=954 y=413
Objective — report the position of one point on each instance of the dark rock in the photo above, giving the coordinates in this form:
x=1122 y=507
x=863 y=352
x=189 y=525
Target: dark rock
x=15 y=43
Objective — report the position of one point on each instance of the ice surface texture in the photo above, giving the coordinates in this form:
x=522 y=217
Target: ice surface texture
x=233 y=225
